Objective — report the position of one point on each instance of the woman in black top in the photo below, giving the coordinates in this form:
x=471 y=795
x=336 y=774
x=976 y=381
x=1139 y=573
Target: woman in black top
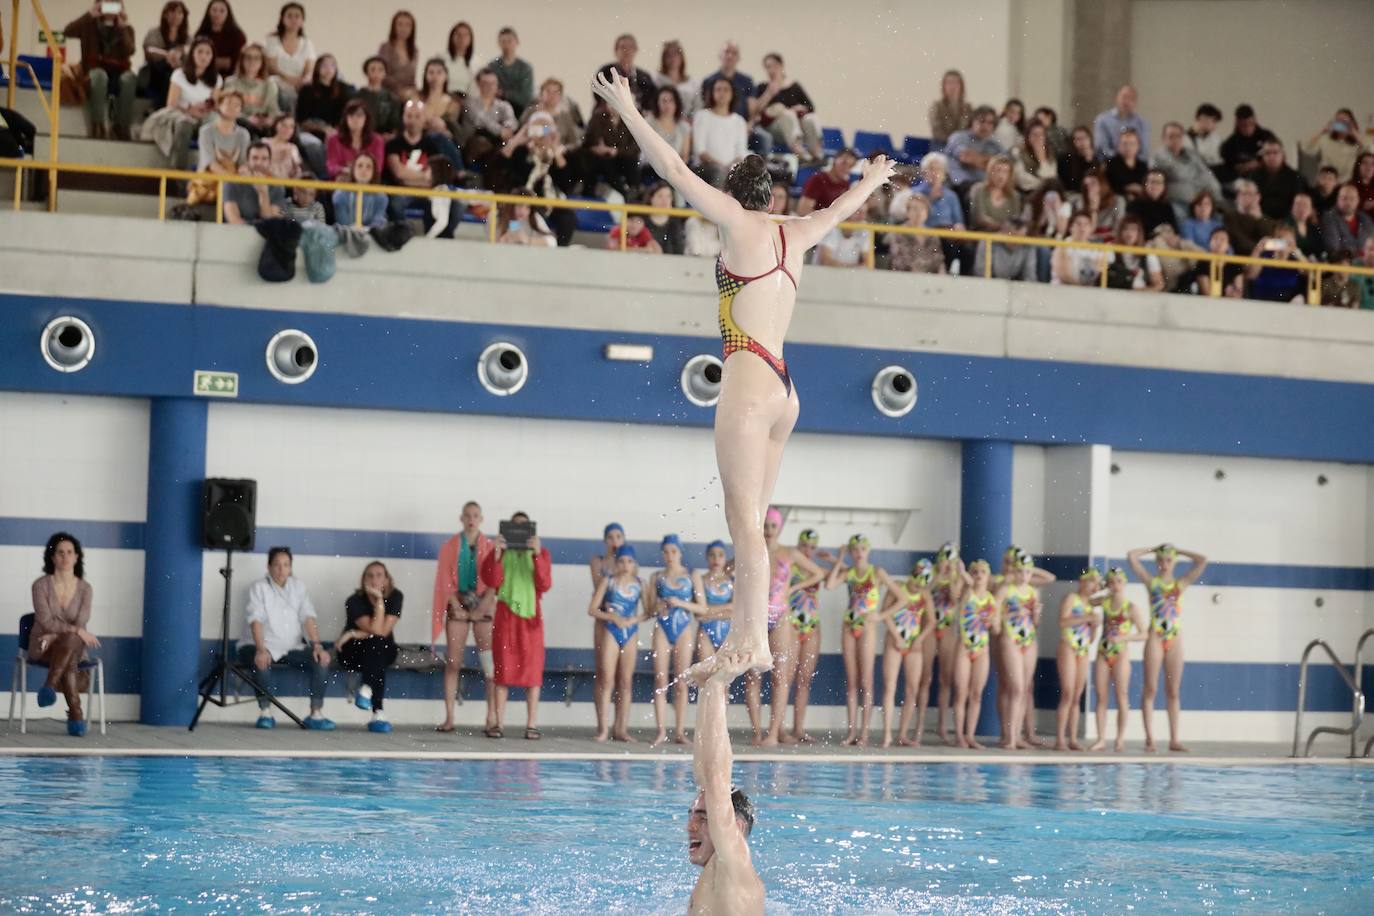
x=366 y=645
x=1077 y=162
x=666 y=230
x=1126 y=171
x=320 y=104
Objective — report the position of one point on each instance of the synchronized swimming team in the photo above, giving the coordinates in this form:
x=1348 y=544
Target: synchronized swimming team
x=943 y=618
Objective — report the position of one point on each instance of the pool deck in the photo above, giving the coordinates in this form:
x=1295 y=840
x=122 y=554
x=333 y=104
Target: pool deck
x=49 y=737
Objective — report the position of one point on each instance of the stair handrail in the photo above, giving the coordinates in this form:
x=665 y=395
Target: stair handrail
x=1359 y=679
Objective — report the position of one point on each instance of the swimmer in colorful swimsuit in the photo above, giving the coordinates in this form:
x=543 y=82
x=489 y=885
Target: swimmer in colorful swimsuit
x=1078 y=626
x=601 y=566
x=978 y=621
x=858 y=639
x=944 y=593
x=805 y=619
x=714 y=593
x=1165 y=647
x=619 y=605
x=910 y=617
x=782 y=636
x=1019 y=604
x=1001 y=654
x=1122 y=624
x=758 y=404
x=670 y=601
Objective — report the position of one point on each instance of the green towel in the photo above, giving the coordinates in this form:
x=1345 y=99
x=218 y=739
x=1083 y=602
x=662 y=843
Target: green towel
x=517 y=587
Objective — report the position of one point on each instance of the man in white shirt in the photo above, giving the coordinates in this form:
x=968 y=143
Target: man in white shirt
x=280 y=627
x=846 y=247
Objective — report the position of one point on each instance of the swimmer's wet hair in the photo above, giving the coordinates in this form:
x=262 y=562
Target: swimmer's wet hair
x=744 y=809
x=750 y=183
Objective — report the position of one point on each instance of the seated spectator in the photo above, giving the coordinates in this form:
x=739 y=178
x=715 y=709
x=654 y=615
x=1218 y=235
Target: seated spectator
x=17 y=134
x=1203 y=137
x=457 y=56
x=1126 y=171
x=968 y=151
x=919 y=254
x=384 y=107
x=1137 y=271
x=362 y=170
x=1011 y=125
x=415 y=159
x=946 y=212
x=952 y=112
x=520 y=579
x=1078 y=161
x=1336 y=144
x=107 y=53
x=441 y=109
x=302 y=205
x=218 y=25
x=290 y=55
x=1079 y=266
x=1363 y=180
x=666 y=119
x=667 y=230
x=641 y=81
x=994 y=203
x=164 y=52
x=354 y=137
x=1056 y=136
x=400 y=55
x=61 y=637
x=637 y=236
x=286 y=155
x=781 y=205
x=544 y=167
x=1174 y=262
x=556 y=109
x=702 y=238
x=367 y=645
x=782 y=106
x=1275 y=284
x=1278 y=182
x=1112 y=123
x=1364 y=282
x=720 y=136
x=223 y=143
x=672 y=71
x=1186 y=174
x=1339 y=288
x=1009 y=262
x=245 y=204
x=1103 y=207
x=823 y=188
x=280 y=627
x=609 y=155
x=1246 y=224
x=1232 y=276
x=1240 y=153
x=488 y=120
x=259 y=93
x=521 y=224
x=515 y=76
x=1153 y=207
x=320 y=104
x=1306 y=224
x=1202 y=221
x=1033 y=162
x=1328 y=184
x=1042 y=213
x=1344 y=227
x=846 y=247
x=759 y=139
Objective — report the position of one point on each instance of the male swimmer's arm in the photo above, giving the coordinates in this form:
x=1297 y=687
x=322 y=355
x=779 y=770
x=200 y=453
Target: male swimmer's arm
x=807 y=231
x=711 y=761
x=1193 y=574
x=717 y=207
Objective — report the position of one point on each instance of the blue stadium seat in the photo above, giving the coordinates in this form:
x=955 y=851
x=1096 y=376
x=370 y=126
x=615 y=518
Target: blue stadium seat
x=868 y=142
x=803 y=173
x=42 y=67
x=832 y=140
x=914 y=148
x=595 y=220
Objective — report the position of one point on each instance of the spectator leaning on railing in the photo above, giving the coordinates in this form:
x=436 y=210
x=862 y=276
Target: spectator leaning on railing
x=1275 y=284
x=362 y=170
x=164 y=51
x=1079 y=266
x=1135 y=271
x=248 y=203
x=1109 y=125
x=1009 y=262
x=1232 y=275
x=1345 y=227
x=107 y=51
x=521 y=224
x=637 y=236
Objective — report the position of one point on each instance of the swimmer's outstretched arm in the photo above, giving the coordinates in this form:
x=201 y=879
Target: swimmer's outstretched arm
x=712 y=760
x=807 y=231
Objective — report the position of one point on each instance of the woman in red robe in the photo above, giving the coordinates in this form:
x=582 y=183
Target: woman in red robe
x=520 y=578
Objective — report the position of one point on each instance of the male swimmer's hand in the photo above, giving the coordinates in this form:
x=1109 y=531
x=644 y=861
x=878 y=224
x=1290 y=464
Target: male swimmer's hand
x=879 y=169
x=615 y=90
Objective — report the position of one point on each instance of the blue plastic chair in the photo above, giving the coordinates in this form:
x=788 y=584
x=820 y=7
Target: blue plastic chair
x=868 y=142
x=20 y=684
x=42 y=68
x=914 y=148
x=599 y=221
x=832 y=140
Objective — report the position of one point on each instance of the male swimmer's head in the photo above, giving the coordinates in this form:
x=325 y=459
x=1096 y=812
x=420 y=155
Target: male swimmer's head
x=699 y=845
x=750 y=183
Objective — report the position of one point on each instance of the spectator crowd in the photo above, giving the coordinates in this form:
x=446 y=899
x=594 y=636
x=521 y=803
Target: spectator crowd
x=281 y=107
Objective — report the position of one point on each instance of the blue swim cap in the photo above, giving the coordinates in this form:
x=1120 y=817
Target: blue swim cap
x=613 y=526
x=716 y=543
x=626 y=550
x=671 y=539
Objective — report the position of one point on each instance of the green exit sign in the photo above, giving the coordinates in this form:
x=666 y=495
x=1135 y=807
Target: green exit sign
x=216 y=384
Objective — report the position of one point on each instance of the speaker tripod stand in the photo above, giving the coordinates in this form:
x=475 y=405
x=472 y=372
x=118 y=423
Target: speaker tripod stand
x=214 y=687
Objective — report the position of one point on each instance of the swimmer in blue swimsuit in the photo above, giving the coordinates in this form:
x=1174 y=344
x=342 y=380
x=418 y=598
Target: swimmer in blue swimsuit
x=670 y=597
x=715 y=594
x=619 y=604
x=603 y=565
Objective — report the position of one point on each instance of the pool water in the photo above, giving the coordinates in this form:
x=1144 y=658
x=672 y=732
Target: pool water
x=225 y=834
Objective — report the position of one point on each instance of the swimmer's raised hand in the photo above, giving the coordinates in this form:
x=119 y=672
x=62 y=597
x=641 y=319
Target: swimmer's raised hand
x=878 y=170
x=615 y=90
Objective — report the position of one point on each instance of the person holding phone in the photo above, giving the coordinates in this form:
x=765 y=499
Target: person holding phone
x=519 y=571
x=107 y=52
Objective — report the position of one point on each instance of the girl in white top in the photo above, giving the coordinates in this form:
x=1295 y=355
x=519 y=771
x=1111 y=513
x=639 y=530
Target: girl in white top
x=457 y=56
x=1079 y=266
x=196 y=84
x=720 y=138
x=290 y=55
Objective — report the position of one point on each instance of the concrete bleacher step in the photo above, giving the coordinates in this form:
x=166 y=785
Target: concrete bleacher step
x=71 y=118
x=79 y=148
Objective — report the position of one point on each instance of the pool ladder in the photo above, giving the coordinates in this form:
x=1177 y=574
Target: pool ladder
x=1357 y=701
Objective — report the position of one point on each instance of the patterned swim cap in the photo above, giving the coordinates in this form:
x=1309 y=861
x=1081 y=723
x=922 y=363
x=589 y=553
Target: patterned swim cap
x=808 y=536
x=923 y=572
x=859 y=540
x=979 y=566
x=1116 y=572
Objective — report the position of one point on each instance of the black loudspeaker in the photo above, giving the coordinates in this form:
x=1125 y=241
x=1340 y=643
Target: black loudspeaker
x=229 y=509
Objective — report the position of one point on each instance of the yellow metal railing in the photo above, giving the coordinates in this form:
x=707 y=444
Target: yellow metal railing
x=1314 y=270
x=51 y=102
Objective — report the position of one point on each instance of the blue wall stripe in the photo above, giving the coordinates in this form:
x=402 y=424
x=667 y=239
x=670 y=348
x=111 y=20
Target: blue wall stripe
x=1207 y=686
x=423 y=365
x=418 y=545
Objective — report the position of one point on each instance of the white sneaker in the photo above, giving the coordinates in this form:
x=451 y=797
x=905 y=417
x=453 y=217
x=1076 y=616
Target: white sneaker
x=363 y=699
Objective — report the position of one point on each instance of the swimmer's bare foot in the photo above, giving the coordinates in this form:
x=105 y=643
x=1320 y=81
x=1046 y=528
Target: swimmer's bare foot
x=1032 y=741
x=948 y=741
x=1177 y=746
x=1149 y=745
x=887 y=740
x=849 y=740
x=660 y=738
x=601 y=736
x=756 y=650
x=624 y=737
x=1097 y=745
x=788 y=738
x=961 y=741
x=1075 y=746
x=975 y=745
x=768 y=740
x=804 y=738
x=681 y=738
x=1061 y=745
x=905 y=741
x=1120 y=746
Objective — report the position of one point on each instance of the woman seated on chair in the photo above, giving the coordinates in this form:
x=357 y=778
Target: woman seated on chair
x=59 y=638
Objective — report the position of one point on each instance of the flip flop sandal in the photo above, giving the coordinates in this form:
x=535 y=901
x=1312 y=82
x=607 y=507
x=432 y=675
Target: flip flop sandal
x=532 y=734
x=494 y=732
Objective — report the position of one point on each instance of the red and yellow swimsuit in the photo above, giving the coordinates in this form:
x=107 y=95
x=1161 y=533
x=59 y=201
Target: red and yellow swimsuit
x=733 y=338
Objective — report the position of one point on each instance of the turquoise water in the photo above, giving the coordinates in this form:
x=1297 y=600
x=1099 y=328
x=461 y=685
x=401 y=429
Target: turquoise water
x=217 y=834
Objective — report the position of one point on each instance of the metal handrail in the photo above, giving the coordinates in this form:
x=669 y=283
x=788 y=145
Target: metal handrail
x=1357 y=704
x=51 y=104
x=1359 y=679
